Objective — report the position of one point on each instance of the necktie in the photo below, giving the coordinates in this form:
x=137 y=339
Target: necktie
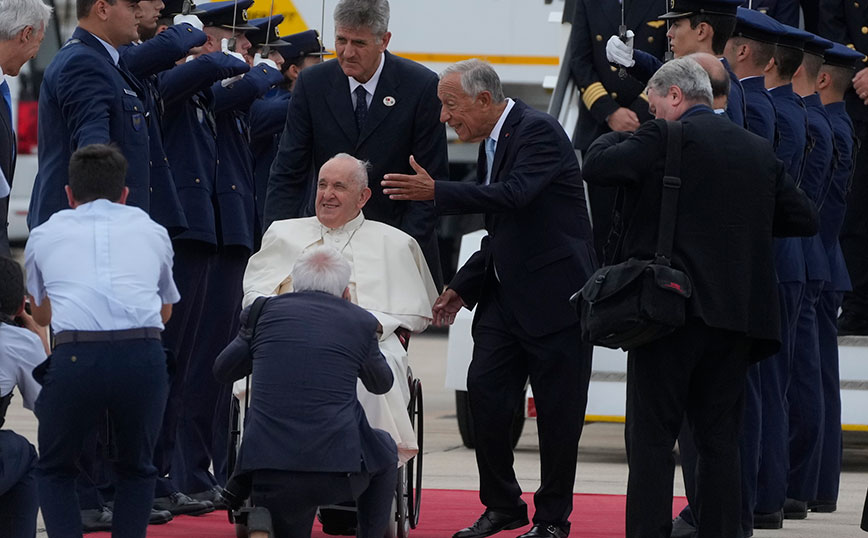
x=361 y=106
x=7 y=96
x=490 y=146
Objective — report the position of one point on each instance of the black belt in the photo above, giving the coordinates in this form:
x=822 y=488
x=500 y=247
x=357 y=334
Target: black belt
x=68 y=337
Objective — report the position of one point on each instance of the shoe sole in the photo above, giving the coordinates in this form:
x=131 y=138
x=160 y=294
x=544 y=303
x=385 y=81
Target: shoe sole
x=795 y=515
x=768 y=526
x=824 y=508
x=514 y=525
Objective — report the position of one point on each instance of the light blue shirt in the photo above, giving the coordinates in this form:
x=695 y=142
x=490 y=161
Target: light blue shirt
x=104 y=266
x=20 y=352
x=113 y=52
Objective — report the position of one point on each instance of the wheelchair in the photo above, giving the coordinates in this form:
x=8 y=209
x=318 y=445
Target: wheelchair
x=340 y=519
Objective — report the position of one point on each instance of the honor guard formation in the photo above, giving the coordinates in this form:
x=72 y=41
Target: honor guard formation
x=225 y=215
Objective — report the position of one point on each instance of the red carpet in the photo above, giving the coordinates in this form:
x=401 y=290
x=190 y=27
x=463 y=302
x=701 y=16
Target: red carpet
x=444 y=511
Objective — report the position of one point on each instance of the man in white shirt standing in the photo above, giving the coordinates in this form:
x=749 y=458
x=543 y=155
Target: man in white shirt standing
x=101 y=274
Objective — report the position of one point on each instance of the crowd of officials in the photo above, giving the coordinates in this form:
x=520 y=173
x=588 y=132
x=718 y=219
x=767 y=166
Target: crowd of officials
x=173 y=135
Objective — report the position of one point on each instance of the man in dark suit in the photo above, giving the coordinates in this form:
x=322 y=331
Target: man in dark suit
x=396 y=117
x=20 y=37
x=537 y=253
x=727 y=211
x=612 y=100
x=309 y=394
x=89 y=97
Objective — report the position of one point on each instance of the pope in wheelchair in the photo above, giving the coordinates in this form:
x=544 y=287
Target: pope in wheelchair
x=390 y=279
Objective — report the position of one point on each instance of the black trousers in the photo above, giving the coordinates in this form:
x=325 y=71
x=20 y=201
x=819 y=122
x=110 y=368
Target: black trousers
x=559 y=368
x=293 y=497
x=698 y=371
x=854 y=231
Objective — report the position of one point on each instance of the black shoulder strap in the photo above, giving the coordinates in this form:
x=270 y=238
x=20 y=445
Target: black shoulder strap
x=253 y=317
x=671 y=185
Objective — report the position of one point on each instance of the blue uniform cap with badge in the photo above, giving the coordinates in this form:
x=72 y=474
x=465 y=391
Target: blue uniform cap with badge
x=685 y=8
x=752 y=24
x=266 y=32
x=178 y=7
x=303 y=44
x=227 y=14
x=843 y=56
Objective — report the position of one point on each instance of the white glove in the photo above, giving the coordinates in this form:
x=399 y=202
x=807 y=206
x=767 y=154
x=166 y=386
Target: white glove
x=224 y=45
x=192 y=20
x=258 y=59
x=618 y=52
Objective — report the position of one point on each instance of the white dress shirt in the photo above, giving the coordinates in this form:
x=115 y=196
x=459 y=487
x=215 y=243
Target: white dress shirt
x=104 y=266
x=370 y=86
x=113 y=52
x=20 y=352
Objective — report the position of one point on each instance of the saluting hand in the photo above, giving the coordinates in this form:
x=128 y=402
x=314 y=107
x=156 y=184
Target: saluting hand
x=446 y=307
x=419 y=186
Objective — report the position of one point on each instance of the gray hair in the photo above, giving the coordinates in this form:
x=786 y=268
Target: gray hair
x=321 y=269
x=477 y=77
x=360 y=175
x=16 y=15
x=370 y=14
x=688 y=75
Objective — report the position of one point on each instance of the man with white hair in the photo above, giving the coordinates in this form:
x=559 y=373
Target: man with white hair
x=390 y=277
x=22 y=27
x=726 y=213
x=307 y=351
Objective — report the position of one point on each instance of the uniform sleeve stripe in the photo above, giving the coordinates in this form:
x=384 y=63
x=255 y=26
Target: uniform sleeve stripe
x=592 y=93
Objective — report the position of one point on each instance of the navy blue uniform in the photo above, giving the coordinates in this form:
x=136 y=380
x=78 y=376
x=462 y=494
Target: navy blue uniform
x=805 y=394
x=267 y=118
x=144 y=61
x=204 y=418
x=843 y=21
x=86 y=99
x=759 y=109
x=831 y=219
x=603 y=90
x=191 y=146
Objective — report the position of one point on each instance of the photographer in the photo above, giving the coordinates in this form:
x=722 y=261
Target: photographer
x=23 y=345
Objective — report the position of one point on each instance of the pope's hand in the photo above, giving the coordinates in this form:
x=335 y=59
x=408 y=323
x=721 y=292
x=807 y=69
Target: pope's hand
x=192 y=20
x=446 y=307
x=619 y=52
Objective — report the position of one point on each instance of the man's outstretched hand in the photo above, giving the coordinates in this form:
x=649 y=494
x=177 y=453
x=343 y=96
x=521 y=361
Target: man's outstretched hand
x=419 y=186
x=446 y=307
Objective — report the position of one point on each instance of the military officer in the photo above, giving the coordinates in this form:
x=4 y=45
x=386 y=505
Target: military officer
x=611 y=99
x=190 y=142
x=204 y=410
x=846 y=21
x=695 y=26
x=834 y=80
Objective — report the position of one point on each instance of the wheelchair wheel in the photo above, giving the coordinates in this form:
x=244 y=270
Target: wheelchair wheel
x=414 y=466
x=399 y=527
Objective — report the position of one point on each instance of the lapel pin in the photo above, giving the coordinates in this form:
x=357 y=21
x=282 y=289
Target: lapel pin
x=389 y=100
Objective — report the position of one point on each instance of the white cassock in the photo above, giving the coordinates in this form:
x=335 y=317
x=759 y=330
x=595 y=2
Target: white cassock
x=390 y=279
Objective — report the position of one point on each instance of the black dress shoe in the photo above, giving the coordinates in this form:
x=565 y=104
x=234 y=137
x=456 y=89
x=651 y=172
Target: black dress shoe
x=159 y=517
x=771 y=520
x=179 y=504
x=214 y=495
x=682 y=529
x=852 y=325
x=541 y=530
x=491 y=522
x=794 y=509
x=96 y=519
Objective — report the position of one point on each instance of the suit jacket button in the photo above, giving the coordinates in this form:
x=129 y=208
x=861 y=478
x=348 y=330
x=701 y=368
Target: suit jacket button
x=233 y=187
x=599 y=37
x=614 y=95
x=197 y=180
x=865 y=29
x=613 y=68
x=650 y=39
